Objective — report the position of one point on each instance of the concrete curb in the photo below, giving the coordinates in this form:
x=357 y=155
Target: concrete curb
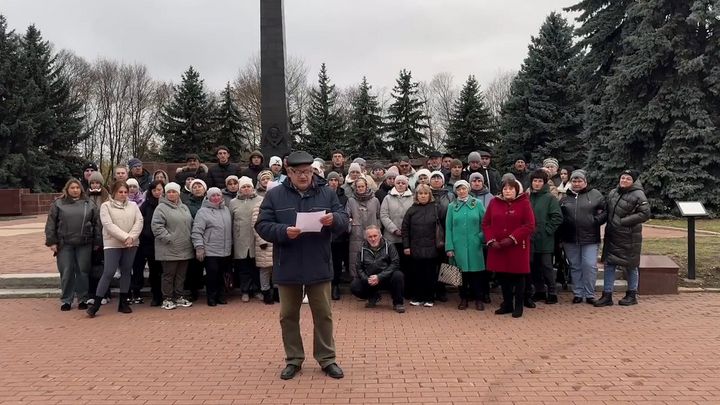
x=673 y=228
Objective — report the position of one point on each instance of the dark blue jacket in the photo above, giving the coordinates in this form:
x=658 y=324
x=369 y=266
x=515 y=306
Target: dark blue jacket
x=307 y=258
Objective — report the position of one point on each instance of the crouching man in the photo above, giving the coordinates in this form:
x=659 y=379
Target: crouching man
x=378 y=268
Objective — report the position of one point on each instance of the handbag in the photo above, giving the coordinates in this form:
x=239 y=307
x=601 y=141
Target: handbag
x=450 y=274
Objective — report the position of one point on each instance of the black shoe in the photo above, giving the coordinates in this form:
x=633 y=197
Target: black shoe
x=539 y=296
x=124 y=304
x=267 y=297
x=212 y=303
x=221 y=301
x=94 y=307
x=486 y=299
x=629 y=299
x=399 y=308
x=156 y=302
x=529 y=303
x=289 y=372
x=463 y=304
x=551 y=299
x=479 y=305
x=65 y=307
x=335 y=292
x=605 y=300
x=504 y=309
x=83 y=305
x=334 y=371
x=590 y=301
x=372 y=302
x=518 y=312
x=577 y=300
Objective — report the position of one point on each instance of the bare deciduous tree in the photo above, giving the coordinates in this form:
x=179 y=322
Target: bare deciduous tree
x=498 y=91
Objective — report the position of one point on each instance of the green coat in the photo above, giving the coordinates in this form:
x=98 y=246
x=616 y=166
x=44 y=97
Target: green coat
x=548 y=217
x=463 y=233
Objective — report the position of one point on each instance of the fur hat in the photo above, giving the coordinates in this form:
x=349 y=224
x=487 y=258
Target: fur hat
x=172 y=186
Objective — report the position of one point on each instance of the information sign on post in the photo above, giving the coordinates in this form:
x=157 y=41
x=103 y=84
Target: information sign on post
x=691 y=210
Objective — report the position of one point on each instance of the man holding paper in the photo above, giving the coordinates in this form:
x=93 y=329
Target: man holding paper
x=302 y=258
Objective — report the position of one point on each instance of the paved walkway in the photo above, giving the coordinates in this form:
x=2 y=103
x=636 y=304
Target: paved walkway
x=664 y=350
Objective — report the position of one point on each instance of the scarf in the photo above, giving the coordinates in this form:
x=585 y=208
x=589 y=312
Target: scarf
x=368 y=194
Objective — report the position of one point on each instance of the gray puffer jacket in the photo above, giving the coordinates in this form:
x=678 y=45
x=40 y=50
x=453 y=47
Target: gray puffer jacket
x=212 y=229
x=627 y=210
x=73 y=222
x=171 y=224
x=392 y=212
x=243 y=231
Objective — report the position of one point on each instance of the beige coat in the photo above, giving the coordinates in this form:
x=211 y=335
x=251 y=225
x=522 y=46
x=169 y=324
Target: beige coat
x=243 y=232
x=263 y=257
x=120 y=221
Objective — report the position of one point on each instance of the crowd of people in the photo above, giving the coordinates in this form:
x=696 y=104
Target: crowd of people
x=215 y=227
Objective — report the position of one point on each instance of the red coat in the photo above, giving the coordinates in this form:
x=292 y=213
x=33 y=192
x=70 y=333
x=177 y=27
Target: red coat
x=504 y=219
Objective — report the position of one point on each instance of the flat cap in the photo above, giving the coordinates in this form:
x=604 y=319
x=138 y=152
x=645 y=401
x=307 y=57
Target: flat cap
x=299 y=158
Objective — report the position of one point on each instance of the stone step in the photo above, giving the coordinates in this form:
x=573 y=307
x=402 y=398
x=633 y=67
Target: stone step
x=30 y=281
x=46 y=292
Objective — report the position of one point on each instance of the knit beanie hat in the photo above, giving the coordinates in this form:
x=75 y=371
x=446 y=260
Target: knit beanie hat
x=437 y=173
x=134 y=162
x=274 y=160
x=256 y=153
x=474 y=157
x=212 y=191
x=172 y=186
x=551 y=162
x=392 y=172
x=360 y=161
x=265 y=173
x=96 y=177
x=401 y=179
x=132 y=182
x=231 y=177
x=245 y=180
x=632 y=173
x=198 y=181
x=579 y=174
x=461 y=183
x=90 y=165
x=476 y=175
x=334 y=175
x=421 y=172
x=508 y=176
x=354 y=167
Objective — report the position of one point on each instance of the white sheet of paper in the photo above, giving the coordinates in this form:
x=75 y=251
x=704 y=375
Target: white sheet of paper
x=309 y=221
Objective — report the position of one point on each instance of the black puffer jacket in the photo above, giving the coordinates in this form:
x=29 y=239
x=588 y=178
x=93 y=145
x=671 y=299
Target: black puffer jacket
x=382 y=261
x=443 y=198
x=418 y=230
x=217 y=174
x=382 y=191
x=147 y=238
x=627 y=210
x=341 y=237
x=583 y=213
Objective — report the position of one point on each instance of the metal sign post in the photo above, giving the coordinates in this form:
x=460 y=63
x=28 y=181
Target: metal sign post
x=691 y=210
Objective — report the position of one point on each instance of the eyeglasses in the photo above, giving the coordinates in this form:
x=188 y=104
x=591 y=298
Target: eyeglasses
x=306 y=172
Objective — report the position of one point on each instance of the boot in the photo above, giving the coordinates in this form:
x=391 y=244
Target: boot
x=123 y=304
x=335 y=292
x=551 y=299
x=539 y=296
x=629 y=299
x=92 y=310
x=528 y=302
x=605 y=300
x=505 y=308
x=463 y=304
x=479 y=305
x=519 y=301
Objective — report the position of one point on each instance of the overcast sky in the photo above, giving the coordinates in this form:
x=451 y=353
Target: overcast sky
x=376 y=38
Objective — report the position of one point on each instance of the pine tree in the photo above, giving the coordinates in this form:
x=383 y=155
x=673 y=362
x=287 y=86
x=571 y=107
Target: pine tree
x=405 y=118
x=365 y=134
x=325 y=124
x=471 y=123
x=659 y=110
x=186 y=121
x=230 y=125
x=41 y=124
x=542 y=116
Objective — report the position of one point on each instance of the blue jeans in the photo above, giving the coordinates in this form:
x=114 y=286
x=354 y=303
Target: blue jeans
x=632 y=274
x=73 y=263
x=583 y=268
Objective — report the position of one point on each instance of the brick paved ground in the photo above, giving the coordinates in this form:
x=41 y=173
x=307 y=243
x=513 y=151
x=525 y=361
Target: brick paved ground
x=664 y=350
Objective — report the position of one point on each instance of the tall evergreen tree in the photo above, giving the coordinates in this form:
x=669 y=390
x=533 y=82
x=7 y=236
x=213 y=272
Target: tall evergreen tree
x=186 y=121
x=471 y=123
x=542 y=116
x=659 y=111
x=405 y=118
x=230 y=125
x=41 y=122
x=365 y=134
x=325 y=124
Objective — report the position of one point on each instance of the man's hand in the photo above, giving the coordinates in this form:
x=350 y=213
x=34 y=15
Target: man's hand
x=293 y=232
x=373 y=280
x=53 y=248
x=327 y=219
x=200 y=254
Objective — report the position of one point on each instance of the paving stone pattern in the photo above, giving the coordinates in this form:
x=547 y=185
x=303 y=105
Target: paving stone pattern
x=663 y=351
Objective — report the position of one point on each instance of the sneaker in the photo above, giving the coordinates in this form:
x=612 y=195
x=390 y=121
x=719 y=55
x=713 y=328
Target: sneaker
x=305 y=300
x=245 y=298
x=104 y=301
x=399 y=308
x=258 y=296
x=168 y=304
x=415 y=303
x=91 y=301
x=429 y=304
x=182 y=302
x=138 y=300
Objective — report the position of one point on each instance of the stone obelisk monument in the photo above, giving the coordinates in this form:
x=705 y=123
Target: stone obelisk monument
x=275 y=139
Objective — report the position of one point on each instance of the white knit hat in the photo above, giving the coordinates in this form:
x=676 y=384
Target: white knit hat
x=132 y=182
x=212 y=191
x=245 y=180
x=275 y=160
x=231 y=177
x=199 y=181
x=172 y=186
x=437 y=173
x=354 y=167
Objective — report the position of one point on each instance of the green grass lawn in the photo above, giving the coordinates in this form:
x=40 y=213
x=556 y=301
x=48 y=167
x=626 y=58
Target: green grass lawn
x=703 y=224
x=707 y=257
